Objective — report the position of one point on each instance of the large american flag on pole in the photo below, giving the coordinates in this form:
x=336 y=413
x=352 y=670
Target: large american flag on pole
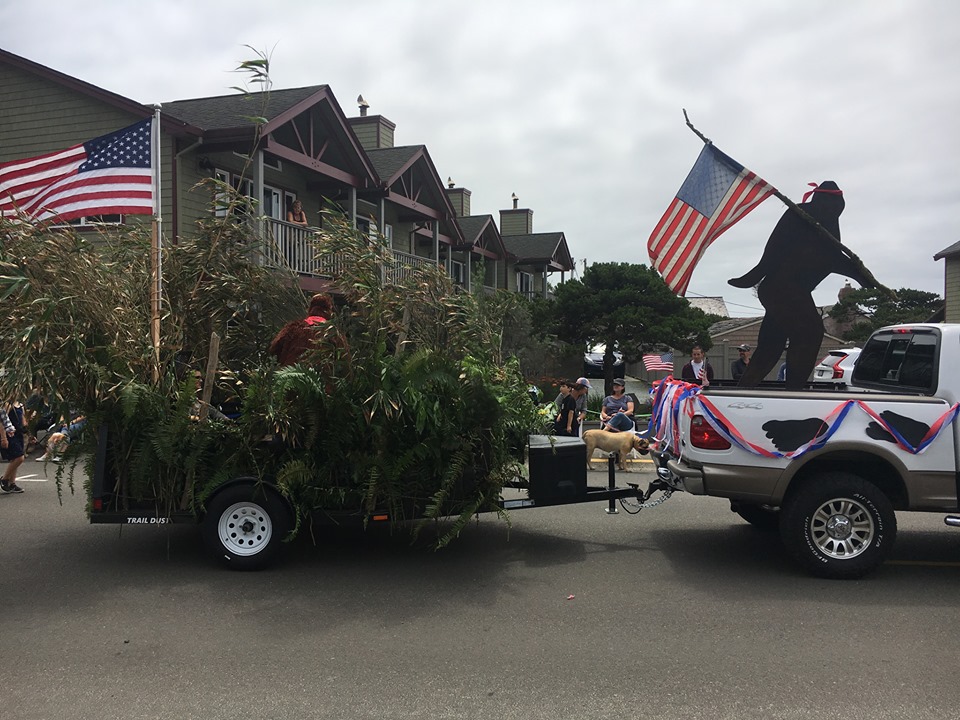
x=109 y=175
x=717 y=193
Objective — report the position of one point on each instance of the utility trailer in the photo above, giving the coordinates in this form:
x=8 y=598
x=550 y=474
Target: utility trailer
x=245 y=519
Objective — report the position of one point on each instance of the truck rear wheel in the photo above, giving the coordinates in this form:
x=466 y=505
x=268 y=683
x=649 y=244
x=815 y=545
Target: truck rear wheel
x=838 y=525
x=245 y=524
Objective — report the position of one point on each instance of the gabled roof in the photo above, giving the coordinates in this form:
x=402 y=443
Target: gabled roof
x=391 y=164
x=947 y=252
x=480 y=231
x=292 y=116
x=224 y=112
x=725 y=327
x=710 y=305
x=540 y=247
x=105 y=96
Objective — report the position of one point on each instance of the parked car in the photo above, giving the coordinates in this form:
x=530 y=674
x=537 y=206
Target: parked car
x=593 y=362
x=837 y=366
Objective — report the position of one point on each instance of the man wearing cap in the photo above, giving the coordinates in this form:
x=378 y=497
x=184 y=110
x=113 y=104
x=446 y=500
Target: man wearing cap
x=739 y=366
x=582 y=402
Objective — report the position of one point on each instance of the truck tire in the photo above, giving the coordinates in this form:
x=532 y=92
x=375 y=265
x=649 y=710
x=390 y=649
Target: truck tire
x=762 y=517
x=245 y=524
x=838 y=525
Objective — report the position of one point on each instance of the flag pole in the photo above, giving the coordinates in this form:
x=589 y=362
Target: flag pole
x=156 y=270
x=820 y=228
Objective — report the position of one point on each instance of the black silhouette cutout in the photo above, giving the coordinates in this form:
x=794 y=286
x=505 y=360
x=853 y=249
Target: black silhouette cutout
x=796 y=259
x=913 y=431
x=788 y=435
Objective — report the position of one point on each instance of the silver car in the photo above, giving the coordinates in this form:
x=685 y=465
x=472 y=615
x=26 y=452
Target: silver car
x=837 y=366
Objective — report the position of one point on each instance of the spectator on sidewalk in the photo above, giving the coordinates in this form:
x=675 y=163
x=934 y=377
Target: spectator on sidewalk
x=11 y=445
x=582 y=402
x=616 y=413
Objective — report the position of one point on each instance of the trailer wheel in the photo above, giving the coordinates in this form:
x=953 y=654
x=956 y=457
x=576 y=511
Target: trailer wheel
x=245 y=524
x=838 y=525
x=762 y=517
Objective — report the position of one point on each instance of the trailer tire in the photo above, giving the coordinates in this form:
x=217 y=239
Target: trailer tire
x=245 y=524
x=838 y=525
x=762 y=517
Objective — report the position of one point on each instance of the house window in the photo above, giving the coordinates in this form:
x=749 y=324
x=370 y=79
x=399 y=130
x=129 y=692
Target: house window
x=525 y=283
x=388 y=234
x=273 y=203
x=458 y=271
x=221 y=199
x=91 y=220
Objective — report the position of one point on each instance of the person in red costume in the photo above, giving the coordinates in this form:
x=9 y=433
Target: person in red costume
x=297 y=336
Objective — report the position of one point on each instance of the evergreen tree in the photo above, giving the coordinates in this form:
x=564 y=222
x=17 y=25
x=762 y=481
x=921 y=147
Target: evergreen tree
x=627 y=307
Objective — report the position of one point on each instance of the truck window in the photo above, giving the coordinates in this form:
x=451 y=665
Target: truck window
x=899 y=361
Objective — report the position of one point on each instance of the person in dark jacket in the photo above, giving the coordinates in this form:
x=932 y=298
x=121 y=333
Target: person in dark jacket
x=698 y=370
x=739 y=366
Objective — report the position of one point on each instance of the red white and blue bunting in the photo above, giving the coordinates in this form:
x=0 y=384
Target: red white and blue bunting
x=672 y=397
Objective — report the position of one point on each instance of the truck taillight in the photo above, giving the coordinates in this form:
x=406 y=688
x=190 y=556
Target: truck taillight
x=702 y=435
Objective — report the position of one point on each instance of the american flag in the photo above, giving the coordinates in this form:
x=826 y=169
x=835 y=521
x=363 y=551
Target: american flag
x=717 y=193
x=109 y=175
x=658 y=362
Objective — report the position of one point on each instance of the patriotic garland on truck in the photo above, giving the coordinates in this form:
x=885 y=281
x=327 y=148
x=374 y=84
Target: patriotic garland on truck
x=671 y=397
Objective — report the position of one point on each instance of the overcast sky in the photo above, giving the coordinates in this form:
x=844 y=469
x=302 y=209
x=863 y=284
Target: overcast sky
x=577 y=106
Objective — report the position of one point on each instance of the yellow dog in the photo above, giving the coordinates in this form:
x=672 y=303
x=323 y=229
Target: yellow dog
x=620 y=442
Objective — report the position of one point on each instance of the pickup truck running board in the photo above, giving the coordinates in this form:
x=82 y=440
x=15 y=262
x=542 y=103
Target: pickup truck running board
x=952 y=520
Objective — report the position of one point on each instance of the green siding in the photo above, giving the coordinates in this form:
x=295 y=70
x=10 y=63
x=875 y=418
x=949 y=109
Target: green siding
x=951 y=289
x=516 y=222
x=38 y=116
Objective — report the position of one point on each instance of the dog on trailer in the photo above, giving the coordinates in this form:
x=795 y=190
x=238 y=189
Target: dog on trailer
x=621 y=443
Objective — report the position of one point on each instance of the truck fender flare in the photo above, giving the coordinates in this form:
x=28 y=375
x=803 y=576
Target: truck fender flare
x=822 y=458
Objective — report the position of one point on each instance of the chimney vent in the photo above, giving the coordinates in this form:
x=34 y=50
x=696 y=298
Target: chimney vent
x=450 y=183
x=363 y=105
x=513 y=196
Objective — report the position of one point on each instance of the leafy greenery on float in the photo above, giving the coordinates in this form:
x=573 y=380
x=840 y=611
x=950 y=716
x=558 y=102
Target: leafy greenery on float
x=407 y=404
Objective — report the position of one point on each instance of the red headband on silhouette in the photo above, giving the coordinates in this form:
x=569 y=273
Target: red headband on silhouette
x=817 y=188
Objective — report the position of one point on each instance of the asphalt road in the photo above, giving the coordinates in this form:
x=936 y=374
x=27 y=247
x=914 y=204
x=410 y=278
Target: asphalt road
x=681 y=612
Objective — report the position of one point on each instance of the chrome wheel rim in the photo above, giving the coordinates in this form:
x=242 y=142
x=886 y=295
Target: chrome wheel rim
x=842 y=528
x=245 y=528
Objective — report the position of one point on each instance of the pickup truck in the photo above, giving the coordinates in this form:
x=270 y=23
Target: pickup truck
x=827 y=468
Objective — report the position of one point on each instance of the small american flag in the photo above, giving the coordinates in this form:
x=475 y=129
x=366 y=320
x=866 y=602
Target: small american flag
x=109 y=175
x=658 y=362
x=717 y=193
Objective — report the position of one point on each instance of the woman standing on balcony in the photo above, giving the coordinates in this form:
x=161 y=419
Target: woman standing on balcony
x=296 y=215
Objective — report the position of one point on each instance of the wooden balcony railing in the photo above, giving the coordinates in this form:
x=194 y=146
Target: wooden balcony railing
x=291 y=246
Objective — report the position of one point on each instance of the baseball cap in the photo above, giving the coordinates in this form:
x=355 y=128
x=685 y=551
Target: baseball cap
x=619 y=381
x=583 y=381
x=743 y=347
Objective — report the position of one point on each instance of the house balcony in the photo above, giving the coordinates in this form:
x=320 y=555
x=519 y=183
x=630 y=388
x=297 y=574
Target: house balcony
x=291 y=247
